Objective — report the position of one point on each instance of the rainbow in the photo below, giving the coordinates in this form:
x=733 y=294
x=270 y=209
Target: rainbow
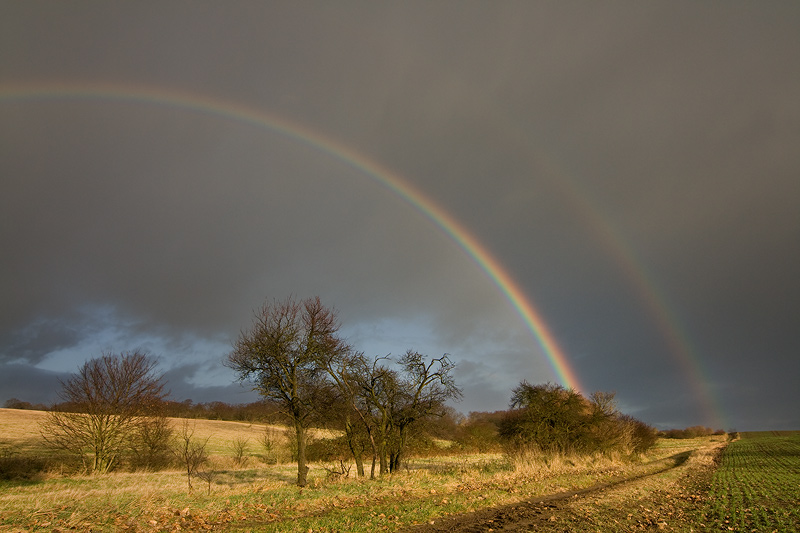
x=667 y=322
x=669 y=326
x=293 y=130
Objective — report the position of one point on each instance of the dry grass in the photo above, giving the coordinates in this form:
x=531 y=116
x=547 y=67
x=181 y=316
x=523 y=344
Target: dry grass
x=20 y=430
x=221 y=434
x=263 y=498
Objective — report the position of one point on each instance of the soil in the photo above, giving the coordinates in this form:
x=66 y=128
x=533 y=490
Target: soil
x=653 y=502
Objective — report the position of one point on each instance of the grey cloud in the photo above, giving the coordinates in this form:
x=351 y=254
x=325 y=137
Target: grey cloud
x=582 y=144
x=180 y=387
x=30 y=384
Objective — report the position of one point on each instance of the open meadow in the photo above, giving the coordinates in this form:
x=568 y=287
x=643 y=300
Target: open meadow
x=673 y=480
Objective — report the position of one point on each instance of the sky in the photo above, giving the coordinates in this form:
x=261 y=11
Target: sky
x=602 y=195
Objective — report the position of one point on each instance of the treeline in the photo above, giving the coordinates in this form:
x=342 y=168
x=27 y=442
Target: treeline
x=691 y=432
x=15 y=403
x=259 y=411
x=478 y=431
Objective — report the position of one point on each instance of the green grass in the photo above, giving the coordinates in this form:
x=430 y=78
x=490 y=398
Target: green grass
x=757 y=484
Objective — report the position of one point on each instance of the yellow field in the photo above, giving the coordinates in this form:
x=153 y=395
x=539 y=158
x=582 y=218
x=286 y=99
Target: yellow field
x=20 y=429
x=19 y=425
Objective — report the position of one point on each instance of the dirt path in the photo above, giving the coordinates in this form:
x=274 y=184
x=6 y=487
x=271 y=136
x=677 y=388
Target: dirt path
x=666 y=500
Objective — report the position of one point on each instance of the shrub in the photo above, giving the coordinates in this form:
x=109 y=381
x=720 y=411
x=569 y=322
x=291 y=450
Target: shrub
x=239 y=447
x=150 y=444
x=328 y=450
x=272 y=442
x=15 y=467
x=559 y=421
x=479 y=432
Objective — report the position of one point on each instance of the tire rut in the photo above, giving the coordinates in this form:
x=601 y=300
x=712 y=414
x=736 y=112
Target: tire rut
x=527 y=513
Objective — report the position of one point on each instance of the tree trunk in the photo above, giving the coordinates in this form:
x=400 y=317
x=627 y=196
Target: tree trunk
x=350 y=432
x=359 y=459
x=302 y=468
x=383 y=454
x=374 y=448
x=103 y=460
x=395 y=459
x=397 y=455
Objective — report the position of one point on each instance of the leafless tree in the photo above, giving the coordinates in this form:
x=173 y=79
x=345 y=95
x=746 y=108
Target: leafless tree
x=283 y=356
x=378 y=389
x=394 y=402
x=239 y=449
x=424 y=389
x=345 y=405
x=150 y=443
x=191 y=452
x=110 y=399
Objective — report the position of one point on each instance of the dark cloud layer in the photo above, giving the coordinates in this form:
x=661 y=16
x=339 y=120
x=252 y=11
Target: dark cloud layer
x=634 y=167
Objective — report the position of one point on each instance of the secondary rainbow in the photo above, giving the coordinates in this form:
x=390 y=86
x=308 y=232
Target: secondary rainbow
x=377 y=172
x=642 y=281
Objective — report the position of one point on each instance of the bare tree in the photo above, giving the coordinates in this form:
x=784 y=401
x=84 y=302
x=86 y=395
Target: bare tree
x=239 y=449
x=424 y=389
x=110 y=399
x=394 y=402
x=345 y=406
x=283 y=356
x=150 y=443
x=191 y=452
x=378 y=390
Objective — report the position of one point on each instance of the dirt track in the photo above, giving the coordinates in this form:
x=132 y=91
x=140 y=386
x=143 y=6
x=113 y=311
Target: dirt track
x=647 y=502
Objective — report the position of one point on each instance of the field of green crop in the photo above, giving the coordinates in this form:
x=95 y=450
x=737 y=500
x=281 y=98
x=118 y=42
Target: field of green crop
x=757 y=484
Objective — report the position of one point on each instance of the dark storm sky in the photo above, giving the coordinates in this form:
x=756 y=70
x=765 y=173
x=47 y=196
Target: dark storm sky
x=635 y=167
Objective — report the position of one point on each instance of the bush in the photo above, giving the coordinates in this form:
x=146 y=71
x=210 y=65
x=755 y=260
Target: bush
x=239 y=450
x=273 y=442
x=479 y=432
x=559 y=421
x=640 y=436
x=18 y=467
x=15 y=466
x=328 y=450
x=150 y=444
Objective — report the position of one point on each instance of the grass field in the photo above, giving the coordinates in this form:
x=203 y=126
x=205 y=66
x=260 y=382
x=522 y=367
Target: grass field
x=262 y=497
x=757 y=484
